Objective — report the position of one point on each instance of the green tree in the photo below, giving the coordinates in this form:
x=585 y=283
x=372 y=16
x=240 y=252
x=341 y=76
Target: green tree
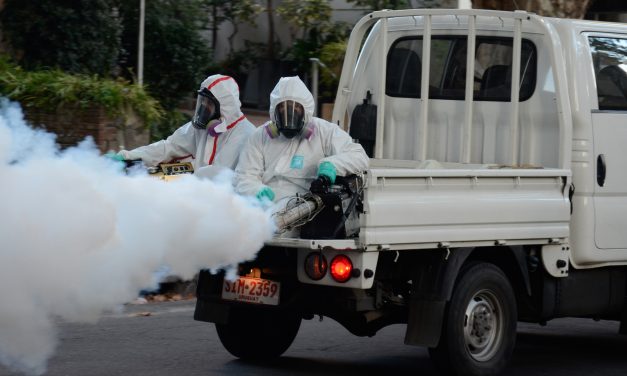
x=315 y=36
x=551 y=8
x=234 y=12
x=373 y=5
x=78 y=36
x=332 y=56
x=306 y=16
x=55 y=90
x=310 y=28
x=176 y=56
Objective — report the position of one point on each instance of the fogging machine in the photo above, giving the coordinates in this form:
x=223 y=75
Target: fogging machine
x=327 y=211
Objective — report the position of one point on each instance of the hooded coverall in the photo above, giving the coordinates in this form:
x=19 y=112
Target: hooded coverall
x=211 y=154
x=288 y=166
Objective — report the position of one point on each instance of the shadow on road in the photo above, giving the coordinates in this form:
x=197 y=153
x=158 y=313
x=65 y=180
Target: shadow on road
x=555 y=351
x=392 y=365
x=570 y=354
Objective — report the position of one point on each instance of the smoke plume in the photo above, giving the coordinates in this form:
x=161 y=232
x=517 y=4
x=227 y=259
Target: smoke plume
x=78 y=236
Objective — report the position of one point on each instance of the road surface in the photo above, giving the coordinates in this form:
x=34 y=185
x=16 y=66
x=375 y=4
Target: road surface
x=169 y=342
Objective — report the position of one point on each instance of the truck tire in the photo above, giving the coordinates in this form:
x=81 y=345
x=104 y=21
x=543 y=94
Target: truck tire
x=479 y=328
x=258 y=334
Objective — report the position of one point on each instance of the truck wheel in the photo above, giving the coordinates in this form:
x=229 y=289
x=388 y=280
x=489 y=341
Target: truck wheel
x=479 y=328
x=257 y=334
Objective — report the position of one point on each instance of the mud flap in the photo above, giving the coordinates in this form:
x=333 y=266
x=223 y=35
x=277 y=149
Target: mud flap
x=211 y=312
x=425 y=322
x=623 y=319
x=209 y=308
x=434 y=282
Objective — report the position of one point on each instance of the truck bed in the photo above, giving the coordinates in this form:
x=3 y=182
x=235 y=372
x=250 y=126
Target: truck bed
x=413 y=205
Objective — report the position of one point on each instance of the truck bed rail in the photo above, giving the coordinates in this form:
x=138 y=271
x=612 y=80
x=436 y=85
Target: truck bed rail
x=470 y=18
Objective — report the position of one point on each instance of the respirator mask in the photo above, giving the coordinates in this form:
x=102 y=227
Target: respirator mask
x=207 y=110
x=289 y=117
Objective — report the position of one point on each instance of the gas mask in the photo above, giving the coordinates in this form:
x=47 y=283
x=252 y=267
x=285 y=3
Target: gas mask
x=289 y=117
x=207 y=109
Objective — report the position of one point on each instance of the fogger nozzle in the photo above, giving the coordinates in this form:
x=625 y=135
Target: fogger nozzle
x=298 y=211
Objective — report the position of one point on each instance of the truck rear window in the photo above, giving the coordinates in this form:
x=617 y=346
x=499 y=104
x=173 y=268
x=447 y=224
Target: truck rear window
x=609 y=56
x=447 y=78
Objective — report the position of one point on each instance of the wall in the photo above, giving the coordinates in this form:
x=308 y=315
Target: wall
x=73 y=126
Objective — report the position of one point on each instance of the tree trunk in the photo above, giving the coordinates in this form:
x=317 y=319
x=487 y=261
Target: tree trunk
x=551 y=8
x=214 y=27
x=270 y=29
x=231 y=37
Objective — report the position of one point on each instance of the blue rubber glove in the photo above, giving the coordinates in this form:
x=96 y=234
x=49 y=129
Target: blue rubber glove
x=327 y=169
x=265 y=192
x=115 y=156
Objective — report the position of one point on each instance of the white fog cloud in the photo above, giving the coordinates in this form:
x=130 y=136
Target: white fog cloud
x=78 y=236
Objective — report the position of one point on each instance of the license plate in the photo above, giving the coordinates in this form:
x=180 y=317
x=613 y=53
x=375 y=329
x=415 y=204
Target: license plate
x=252 y=290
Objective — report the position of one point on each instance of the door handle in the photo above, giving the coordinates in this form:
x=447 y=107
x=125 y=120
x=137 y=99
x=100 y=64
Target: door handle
x=601 y=169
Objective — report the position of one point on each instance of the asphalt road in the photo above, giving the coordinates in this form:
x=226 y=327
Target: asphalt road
x=170 y=342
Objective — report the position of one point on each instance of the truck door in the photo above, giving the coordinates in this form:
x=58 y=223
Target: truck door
x=609 y=125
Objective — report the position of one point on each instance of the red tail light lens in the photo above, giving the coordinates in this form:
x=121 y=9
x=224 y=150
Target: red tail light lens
x=341 y=268
x=316 y=266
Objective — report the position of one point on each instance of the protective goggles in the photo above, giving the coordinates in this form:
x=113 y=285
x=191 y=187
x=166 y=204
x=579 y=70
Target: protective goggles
x=207 y=109
x=289 y=117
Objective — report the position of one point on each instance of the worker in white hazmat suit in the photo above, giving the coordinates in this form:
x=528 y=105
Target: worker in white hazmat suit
x=284 y=156
x=212 y=140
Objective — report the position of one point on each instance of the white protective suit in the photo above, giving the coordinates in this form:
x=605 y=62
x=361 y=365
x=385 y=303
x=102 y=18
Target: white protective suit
x=209 y=155
x=288 y=166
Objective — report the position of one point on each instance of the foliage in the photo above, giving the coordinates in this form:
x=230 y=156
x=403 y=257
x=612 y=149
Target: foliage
x=242 y=10
x=54 y=89
x=101 y=37
x=381 y=4
x=308 y=16
x=550 y=8
x=332 y=56
x=239 y=63
x=175 y=54
x=79 y=36
x=235 y=12
x=171 y=119
x=311 y=20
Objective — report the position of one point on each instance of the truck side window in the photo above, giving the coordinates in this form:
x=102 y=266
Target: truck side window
x=447 y=78
x=404 y=72
x=609 y=56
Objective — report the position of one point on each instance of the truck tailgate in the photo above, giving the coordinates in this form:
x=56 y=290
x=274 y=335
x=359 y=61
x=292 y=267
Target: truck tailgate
x=426 y=208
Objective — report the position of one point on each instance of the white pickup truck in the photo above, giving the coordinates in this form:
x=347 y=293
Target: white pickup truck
x=491 y=198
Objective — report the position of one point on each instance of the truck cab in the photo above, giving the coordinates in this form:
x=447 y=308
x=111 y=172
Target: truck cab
x=495 y=192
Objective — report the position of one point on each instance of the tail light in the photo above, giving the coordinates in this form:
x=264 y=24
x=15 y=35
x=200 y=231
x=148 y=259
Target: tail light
x=316 y=266
x=341 y=268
